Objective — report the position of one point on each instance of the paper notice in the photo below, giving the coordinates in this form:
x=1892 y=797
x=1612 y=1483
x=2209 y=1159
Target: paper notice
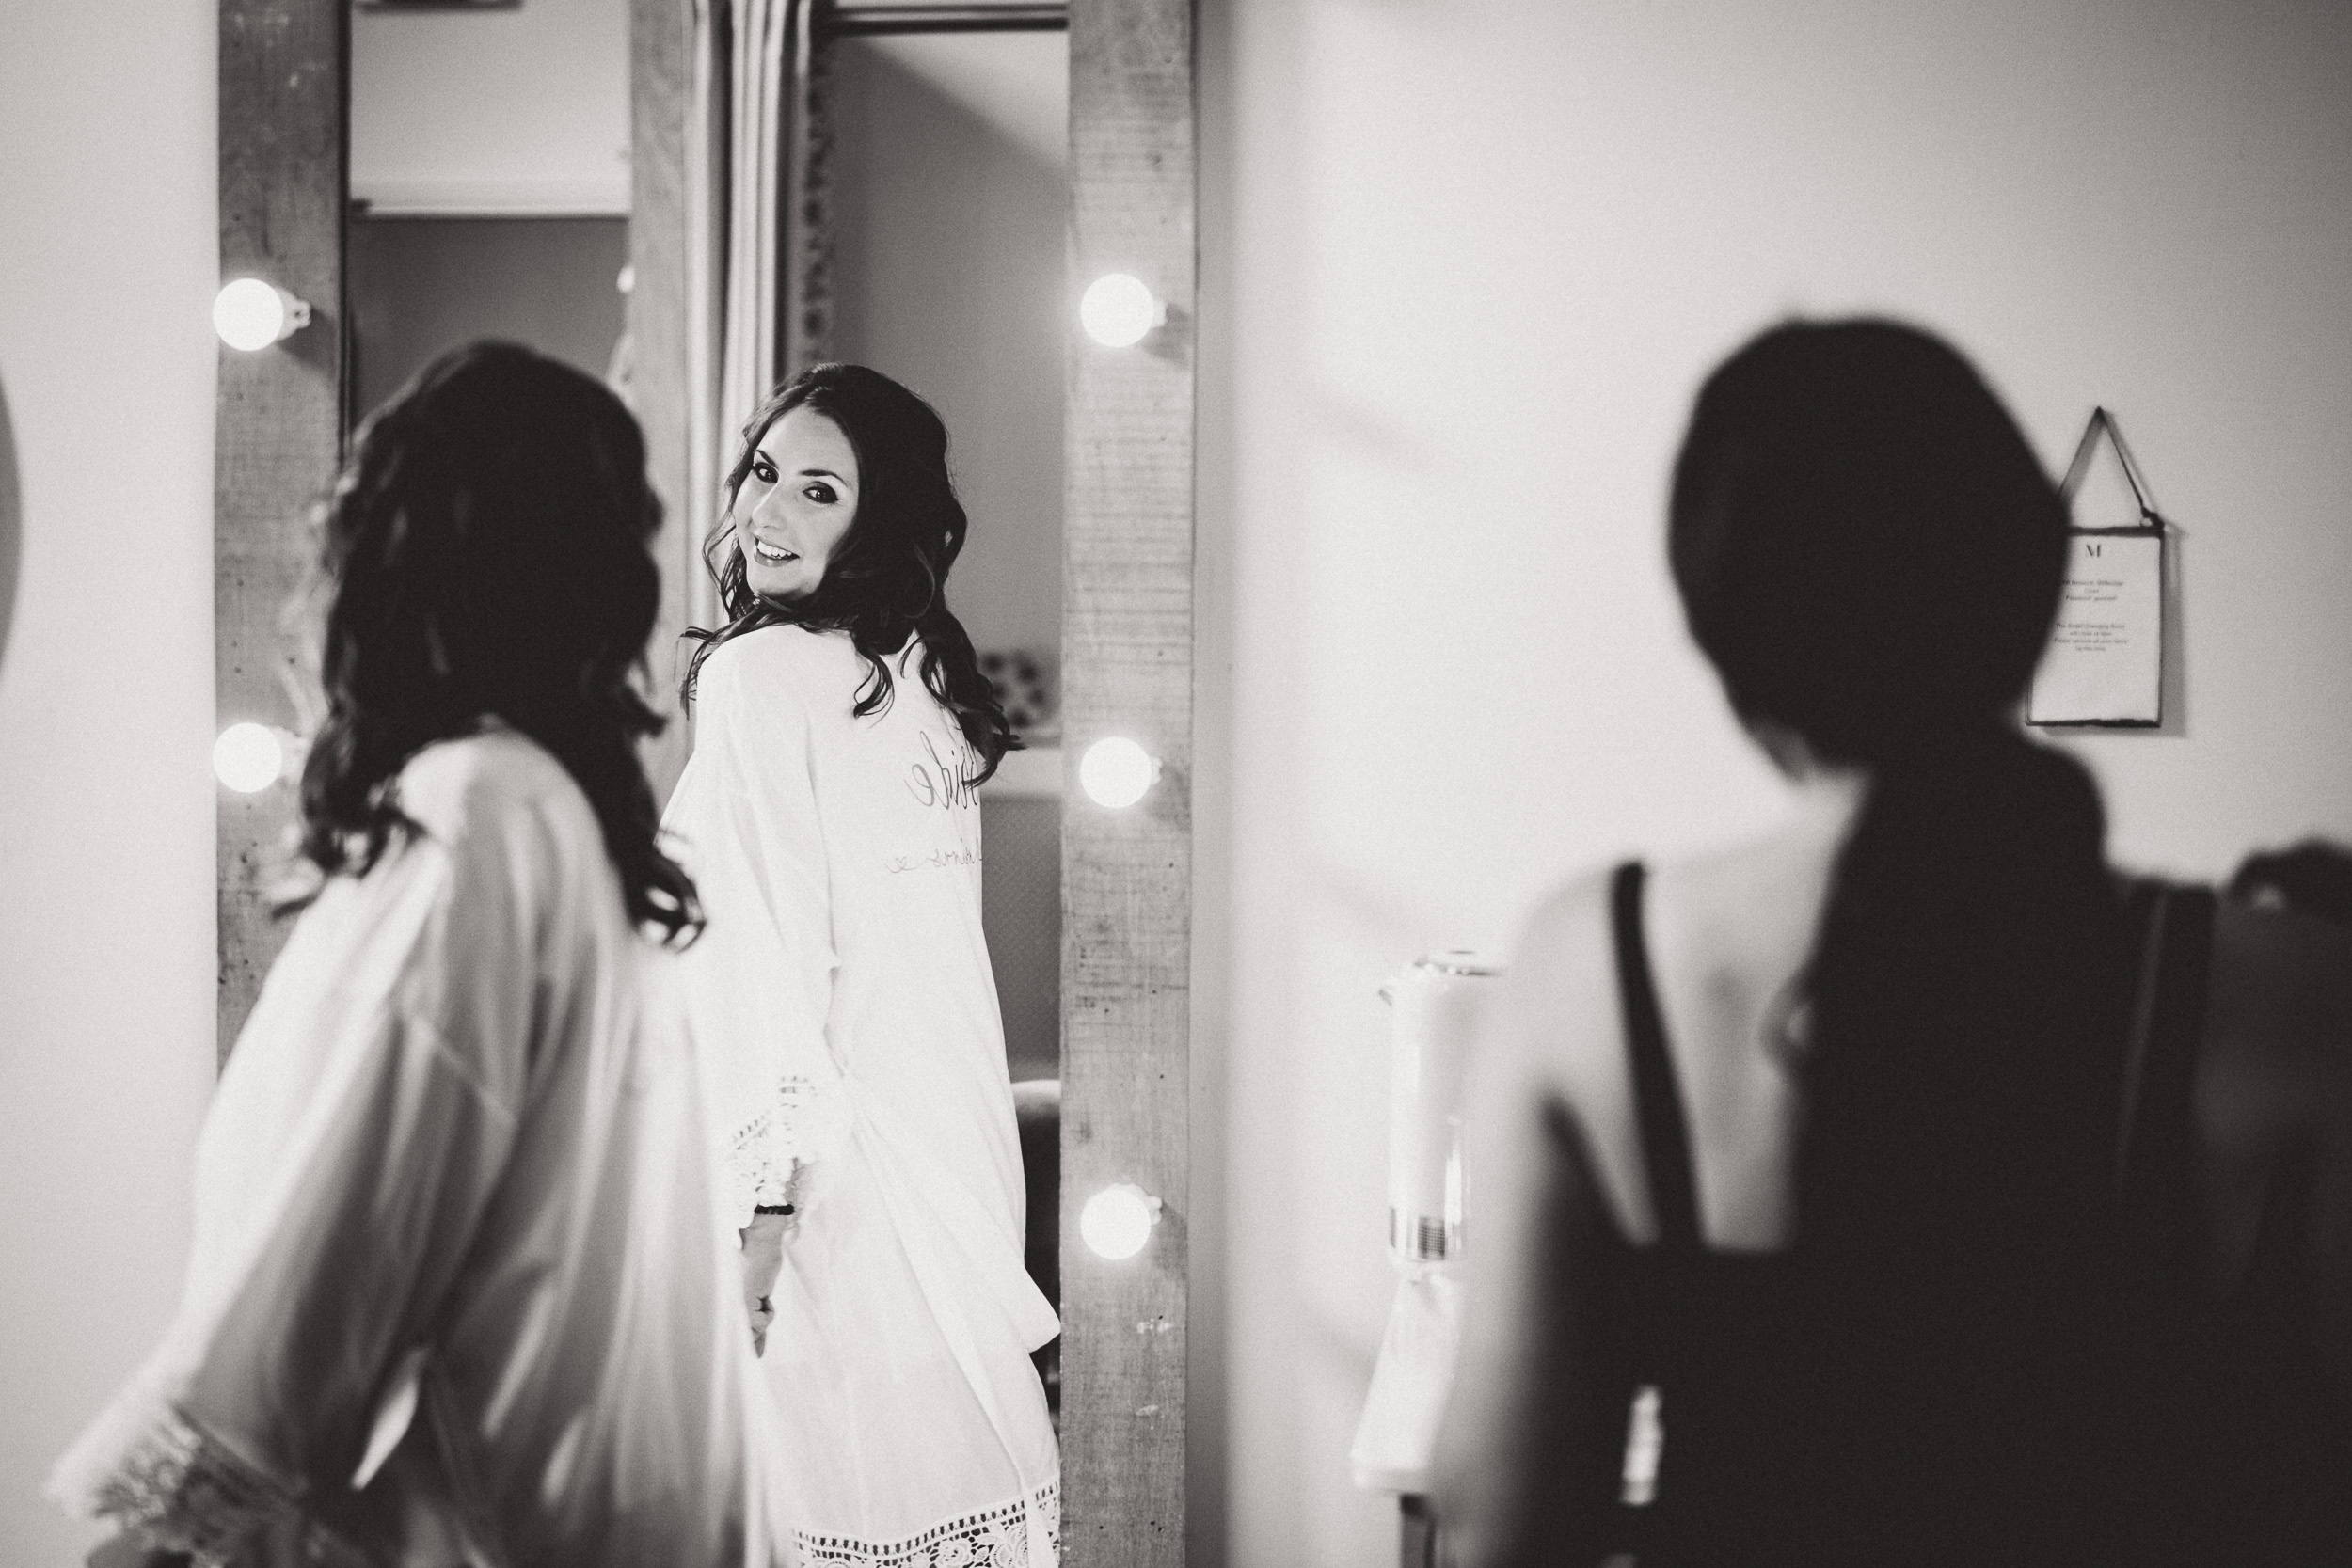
x=2106 y=659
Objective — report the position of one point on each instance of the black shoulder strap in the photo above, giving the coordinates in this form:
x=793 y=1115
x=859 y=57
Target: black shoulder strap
x=1657 y=1097
x=2156 y=1128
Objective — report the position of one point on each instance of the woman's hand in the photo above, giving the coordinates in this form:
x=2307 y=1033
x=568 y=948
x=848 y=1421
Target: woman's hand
x=763 y=1260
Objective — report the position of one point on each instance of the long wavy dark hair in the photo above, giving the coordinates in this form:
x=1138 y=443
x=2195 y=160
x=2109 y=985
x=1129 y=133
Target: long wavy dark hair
x=1870 y=555
x=487 y=547
x=888 y=576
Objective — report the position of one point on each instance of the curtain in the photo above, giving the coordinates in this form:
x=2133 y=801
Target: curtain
x=760 y=292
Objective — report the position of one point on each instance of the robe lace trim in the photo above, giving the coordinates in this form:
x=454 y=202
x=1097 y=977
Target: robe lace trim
x=767 y=1157
x=177 y=1489
x=994 y=1537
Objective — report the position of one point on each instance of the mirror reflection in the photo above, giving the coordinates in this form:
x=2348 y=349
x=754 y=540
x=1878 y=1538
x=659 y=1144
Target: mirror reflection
x=877 y=995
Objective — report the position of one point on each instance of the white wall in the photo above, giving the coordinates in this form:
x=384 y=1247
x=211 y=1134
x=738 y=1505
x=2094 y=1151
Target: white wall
x=108 y=243
x=951 y=194
x=512 y=112
x=1464 y=266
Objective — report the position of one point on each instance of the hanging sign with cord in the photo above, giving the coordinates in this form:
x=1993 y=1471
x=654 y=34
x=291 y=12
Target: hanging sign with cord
x=2105 y=662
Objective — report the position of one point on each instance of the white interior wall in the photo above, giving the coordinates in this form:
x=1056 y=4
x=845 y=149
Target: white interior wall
x=108 y=250
x=1464 y=266
x=950 y=196
x=950 y=191
x=513 y=111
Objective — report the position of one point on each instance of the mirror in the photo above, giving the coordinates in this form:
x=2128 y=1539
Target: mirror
x=730 y=115
x=489 y=199
x=489 y=185
x=511 y=170
x=948 y=181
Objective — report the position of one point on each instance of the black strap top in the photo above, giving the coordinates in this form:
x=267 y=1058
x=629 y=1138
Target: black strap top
x=1666 y=1159
x=1731 y=1449
x=1697 y=1338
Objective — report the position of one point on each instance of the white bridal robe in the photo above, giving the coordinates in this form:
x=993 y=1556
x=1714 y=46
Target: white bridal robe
x=452 y=1200
x=855 y=1065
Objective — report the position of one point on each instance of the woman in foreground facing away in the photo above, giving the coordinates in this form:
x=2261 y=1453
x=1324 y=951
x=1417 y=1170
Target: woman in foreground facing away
x=457 y=1293
x=843 y=999
x=1880 y=1191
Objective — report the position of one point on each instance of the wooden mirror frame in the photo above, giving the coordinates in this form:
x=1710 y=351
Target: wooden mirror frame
x=277 y=422
x=1126 y=622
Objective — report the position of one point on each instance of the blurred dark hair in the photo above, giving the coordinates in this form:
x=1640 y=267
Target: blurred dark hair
x=487 y=546
x=2314 y=876
x=1870 y=555
x=888 y=576
x=1866 y=547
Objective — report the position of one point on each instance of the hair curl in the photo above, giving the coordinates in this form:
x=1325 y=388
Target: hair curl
x=888 y=576
x=487 y=543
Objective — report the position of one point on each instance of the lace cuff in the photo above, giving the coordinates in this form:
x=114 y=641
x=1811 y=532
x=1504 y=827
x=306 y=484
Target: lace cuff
x=173 y=1487
x=767 y=1157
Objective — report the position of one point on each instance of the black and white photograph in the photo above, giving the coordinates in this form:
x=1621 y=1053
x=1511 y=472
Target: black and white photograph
x=1176 y=784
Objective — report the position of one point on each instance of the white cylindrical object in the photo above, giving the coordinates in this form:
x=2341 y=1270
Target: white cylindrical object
x=1435 y=1006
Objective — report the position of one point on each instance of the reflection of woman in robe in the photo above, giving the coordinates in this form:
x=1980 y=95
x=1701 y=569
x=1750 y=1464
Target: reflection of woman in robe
x=457 y=1294
x=843 y=998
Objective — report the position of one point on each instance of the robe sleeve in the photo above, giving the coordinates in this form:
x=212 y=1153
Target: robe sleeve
x=354 y=1142
x=759 y=981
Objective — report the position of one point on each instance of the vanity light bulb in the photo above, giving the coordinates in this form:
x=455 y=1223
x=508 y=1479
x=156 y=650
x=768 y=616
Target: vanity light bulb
x=1116 y=772
x=1117 y=312
x=1118 y=1221
x=247 y=757
x=250 y=314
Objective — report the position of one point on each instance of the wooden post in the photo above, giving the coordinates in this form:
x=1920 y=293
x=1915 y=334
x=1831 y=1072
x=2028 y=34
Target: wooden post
x=279 y=422
x=1127 y=874
x=660 y=47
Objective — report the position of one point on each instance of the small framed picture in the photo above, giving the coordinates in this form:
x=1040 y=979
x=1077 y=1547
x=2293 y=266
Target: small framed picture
x=2105 y=662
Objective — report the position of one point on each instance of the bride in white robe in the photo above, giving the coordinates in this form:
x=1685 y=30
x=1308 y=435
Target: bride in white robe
x=457 y=1294
x=844 y=999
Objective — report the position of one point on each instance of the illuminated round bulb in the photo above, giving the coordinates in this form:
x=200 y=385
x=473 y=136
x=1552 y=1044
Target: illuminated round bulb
x=1117 y=310
x=247 y=757
x=1117 y=1221
x=1116 y=772
x=250 y=314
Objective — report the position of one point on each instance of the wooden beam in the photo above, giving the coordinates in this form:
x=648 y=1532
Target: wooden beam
x=1127 y=875
x=279 y=421
x=660 y=45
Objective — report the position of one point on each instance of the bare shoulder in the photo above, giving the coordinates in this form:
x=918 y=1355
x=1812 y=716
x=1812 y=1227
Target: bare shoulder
x=2278 y=1025
x=1559 y=998
x=1557 y=1038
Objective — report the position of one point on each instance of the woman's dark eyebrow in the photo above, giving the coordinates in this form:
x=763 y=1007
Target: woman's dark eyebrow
x=822 y=473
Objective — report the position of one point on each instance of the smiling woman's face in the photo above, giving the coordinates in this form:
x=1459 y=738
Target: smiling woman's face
x=797 y=502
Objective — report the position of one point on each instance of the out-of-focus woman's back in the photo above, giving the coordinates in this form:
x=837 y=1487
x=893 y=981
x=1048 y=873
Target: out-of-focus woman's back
x=1798 y=1163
